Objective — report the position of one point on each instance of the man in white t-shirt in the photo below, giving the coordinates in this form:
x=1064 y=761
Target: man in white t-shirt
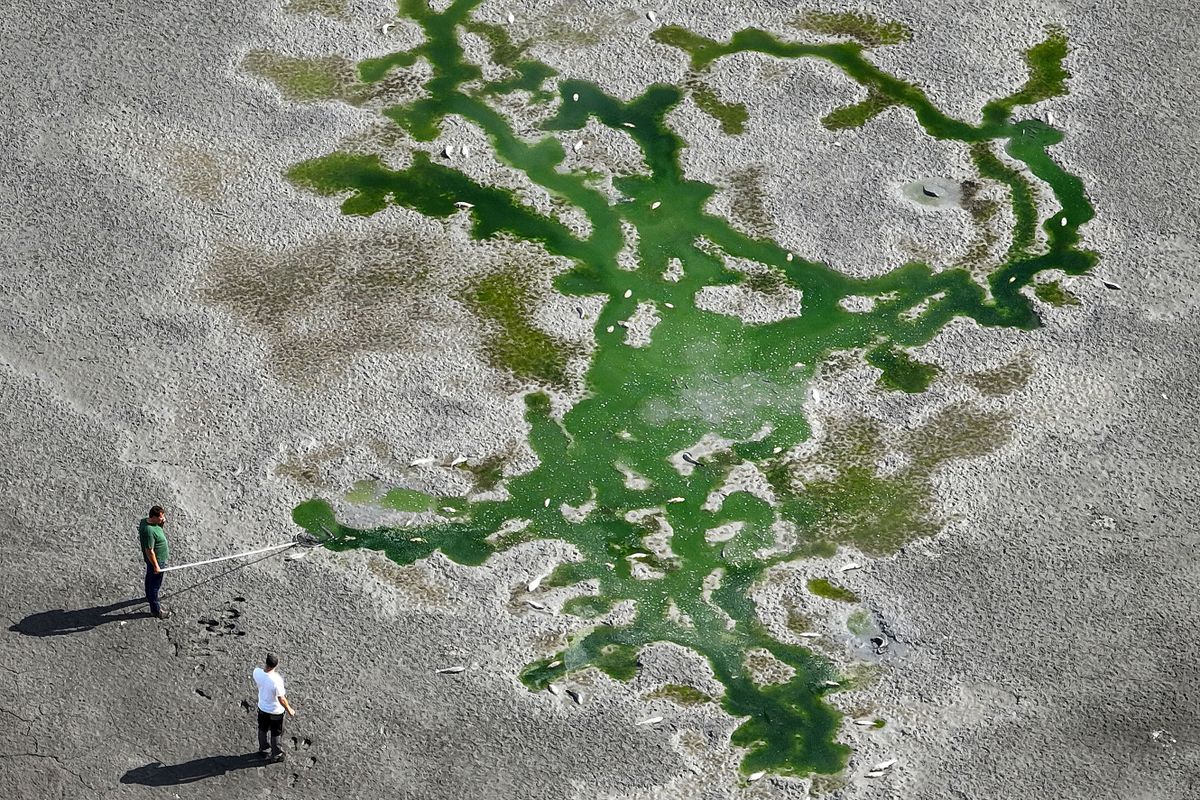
x=271 y=705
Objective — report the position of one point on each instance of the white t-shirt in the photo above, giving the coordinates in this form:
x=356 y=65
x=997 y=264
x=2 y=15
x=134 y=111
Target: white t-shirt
x=270 y=687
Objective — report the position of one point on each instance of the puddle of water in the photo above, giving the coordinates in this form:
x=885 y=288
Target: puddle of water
x=702 y=373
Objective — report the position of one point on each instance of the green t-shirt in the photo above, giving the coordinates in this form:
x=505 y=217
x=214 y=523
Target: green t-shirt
x=153 y=536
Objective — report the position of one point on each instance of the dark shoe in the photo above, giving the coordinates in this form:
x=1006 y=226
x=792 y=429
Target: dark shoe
x=264 y=753
x=280 y=756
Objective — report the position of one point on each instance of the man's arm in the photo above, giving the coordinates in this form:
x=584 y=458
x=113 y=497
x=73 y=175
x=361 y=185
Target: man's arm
x=287 y=706
x=153 y=559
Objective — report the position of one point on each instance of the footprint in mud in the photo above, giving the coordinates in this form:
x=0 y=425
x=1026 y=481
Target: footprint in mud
x=224 y=623
x=300 y=745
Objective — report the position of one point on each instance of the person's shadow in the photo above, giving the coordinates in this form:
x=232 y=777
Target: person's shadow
x=62 y=622
x=158 y=774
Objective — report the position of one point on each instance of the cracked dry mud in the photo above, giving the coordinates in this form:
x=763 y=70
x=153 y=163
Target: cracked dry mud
x=981 y=535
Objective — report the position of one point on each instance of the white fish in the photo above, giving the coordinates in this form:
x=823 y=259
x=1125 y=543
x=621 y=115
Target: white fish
x=611 y=329
x=535 y=583
x=422 y=461
x=1012 y=279
x=650 y=15
x=777 y=450
x=669 y=305
x=511 y=19
x=553 y=664
x=629 y=125
x=466 y=151
x=849 y=567
x=629 y=292
x=546 y=502
x=554 y=690
x=418 y=539
x=450 y=670
x=811 y=635
x=459 y=460
x=830 y=683
x=649 y=721
x=577 y=146
x=575 y=97
x=636 y=556
x=790 y=256
x=536 y=604
x=1063 y=222
x=448 y=151
x=876 y=773
x=655 y=204
x=387 y=27
x=450 y=509
x=675 y=500
x=464 y=204
x=753 y=776
x=882 y=765
x=864 y=722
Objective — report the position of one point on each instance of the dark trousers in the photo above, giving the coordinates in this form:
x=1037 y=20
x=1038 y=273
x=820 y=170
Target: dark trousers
x=274 y=724
x=153 y=584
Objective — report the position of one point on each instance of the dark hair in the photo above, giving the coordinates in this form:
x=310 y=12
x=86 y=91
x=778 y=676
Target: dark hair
x=156 y=511
x=272 y=661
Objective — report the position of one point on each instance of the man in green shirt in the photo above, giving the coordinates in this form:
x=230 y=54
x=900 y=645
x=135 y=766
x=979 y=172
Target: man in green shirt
x=155 y=552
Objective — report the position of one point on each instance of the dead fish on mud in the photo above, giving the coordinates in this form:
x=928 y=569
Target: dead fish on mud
x=451 y=670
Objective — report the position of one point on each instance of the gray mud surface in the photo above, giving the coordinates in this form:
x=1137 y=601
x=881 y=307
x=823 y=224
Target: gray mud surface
x=1043 y=644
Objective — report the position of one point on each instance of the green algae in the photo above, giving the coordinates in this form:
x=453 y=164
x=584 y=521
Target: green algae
x=529 y=353
x=863 y=28
x=1054 y=293
x=407 y=500
x=859 y=623
x=748 y=207
x=702 y=373
x=1047 y=75
x=587 y=606
x=680 y=695
x=900 y=370
x=731 y=116
x=308 y=79
x=334 y=9
x=362 y=492
x=857 y=115
x=831 y=591
x=1002 y=380
x=487 y=472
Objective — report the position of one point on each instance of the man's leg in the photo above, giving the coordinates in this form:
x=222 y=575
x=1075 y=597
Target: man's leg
x=264 y=722
x=276 y=735
x=153 y=584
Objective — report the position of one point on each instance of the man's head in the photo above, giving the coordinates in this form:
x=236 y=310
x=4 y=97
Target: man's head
x=272 y=662
x=157 y=515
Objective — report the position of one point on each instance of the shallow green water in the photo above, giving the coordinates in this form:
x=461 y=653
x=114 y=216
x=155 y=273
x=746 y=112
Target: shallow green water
x=702 y=373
